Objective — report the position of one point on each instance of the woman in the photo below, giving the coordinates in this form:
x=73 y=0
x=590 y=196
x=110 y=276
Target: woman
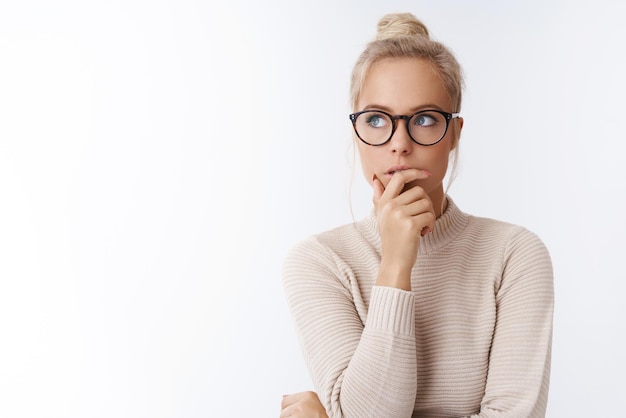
x=418 y=310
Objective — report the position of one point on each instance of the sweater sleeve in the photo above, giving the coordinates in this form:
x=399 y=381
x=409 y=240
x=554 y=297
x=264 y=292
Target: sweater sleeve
x=358 y=369
x=519 y=361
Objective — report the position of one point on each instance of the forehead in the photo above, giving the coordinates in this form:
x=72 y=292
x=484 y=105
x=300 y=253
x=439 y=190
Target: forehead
x=403 y=85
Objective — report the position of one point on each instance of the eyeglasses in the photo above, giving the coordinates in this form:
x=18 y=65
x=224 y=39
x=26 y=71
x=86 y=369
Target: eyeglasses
x=426 y=127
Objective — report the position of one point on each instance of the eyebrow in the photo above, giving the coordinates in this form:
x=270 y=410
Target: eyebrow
x=415 y=109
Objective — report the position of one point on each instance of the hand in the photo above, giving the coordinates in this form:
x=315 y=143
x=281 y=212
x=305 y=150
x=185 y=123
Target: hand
x=302 y=405
x=403 y=216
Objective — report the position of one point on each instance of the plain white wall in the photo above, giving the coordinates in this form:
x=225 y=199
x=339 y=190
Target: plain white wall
x=158 y=158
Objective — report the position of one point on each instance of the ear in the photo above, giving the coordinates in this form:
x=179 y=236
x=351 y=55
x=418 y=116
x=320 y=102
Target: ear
x=456 y=129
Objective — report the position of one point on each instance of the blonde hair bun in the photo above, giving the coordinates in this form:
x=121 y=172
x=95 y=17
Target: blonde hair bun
x=396 y=25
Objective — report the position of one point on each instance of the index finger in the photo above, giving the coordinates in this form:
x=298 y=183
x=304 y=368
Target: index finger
x=401 y=178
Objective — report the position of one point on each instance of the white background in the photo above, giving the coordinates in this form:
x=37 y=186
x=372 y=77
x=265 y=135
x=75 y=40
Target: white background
x=158 y=158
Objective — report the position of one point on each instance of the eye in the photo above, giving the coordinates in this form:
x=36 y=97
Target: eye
x=376 y=120
x=426 y=119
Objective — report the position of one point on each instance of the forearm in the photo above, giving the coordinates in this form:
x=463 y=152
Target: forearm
x=380 y=379
x=360 y=353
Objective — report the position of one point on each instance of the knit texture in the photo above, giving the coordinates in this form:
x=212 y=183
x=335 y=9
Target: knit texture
x=472 y=337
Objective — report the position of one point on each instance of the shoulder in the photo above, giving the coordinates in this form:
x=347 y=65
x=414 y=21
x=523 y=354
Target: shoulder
x=321 y=249
x=511 y=246
x=480 y=236
x=507 y=234
x=523 y=257
x=342 y=254
x=340 y=243
x=321 y=262
x=332 y=240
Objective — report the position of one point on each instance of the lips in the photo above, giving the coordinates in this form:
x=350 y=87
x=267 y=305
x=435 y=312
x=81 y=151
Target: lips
x=393 y=170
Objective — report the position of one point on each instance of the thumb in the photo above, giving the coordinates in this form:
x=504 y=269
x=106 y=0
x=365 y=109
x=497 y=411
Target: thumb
x=378 y=187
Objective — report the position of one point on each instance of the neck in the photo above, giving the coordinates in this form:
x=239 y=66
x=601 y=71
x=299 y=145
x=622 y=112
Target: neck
x=439 y=200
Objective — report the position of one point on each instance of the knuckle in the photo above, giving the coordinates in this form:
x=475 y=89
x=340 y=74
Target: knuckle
x=397 y=215
x=388 y=207
x=413 y=228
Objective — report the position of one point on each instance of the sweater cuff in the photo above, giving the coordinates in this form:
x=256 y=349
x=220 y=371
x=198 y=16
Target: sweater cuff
x=392 y=310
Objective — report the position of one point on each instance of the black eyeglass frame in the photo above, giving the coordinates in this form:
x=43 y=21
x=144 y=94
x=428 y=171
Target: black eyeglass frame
x=407 y=118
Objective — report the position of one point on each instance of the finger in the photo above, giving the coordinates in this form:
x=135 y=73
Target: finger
x=286 y=412
x=422 y=214
x=428 y=220
x=379 y=189
x=294 y=398
x=401 y=178
x=288 y=400
x=411 y=195
x=288 y=405
x=418 y=207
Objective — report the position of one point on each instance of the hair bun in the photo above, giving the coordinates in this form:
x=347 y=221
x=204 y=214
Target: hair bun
x=397 y=25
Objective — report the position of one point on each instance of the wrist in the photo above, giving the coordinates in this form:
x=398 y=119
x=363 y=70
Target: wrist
x=394 y=275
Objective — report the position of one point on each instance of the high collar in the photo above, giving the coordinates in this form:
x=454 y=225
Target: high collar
x=447 y=227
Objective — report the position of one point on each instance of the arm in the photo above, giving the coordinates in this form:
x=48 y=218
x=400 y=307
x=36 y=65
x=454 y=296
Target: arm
x=359 y=369
x=363 y=369
x=519 y=363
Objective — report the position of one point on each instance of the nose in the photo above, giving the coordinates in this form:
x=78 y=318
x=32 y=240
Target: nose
x=401 y=142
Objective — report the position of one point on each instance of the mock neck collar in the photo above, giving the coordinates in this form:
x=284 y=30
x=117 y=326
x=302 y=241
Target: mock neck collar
x=447 y=227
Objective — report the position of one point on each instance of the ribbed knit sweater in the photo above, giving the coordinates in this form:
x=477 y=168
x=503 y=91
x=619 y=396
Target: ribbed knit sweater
x=472 y=337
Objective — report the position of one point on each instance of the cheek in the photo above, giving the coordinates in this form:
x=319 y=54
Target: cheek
x=442 y=159
x=367 y=163
x=439 y=156
x=438 y=165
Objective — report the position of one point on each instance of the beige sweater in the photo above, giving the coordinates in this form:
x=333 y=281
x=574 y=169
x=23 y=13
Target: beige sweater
x=472 y=338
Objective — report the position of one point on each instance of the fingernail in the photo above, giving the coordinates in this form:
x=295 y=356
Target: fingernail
x=427 y=173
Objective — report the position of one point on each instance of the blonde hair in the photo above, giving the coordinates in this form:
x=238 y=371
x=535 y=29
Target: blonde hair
x=402 y=35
